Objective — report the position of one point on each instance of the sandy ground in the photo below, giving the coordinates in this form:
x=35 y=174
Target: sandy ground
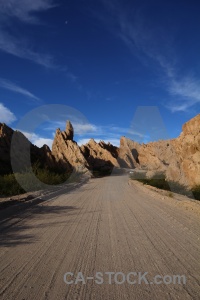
x=106 y=225
x=173 y=199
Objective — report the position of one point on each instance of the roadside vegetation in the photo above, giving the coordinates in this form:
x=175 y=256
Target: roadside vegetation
x=159 y=181
x=9 y=186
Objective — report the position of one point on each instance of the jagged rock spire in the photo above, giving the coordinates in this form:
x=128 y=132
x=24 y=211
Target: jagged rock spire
x=69 y=131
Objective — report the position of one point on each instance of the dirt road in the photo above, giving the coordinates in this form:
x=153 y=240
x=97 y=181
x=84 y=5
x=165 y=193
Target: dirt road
x=107 y=225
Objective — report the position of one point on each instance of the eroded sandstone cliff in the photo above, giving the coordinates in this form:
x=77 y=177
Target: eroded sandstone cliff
x=17 y=153
x=178 y=158
x=65 y=149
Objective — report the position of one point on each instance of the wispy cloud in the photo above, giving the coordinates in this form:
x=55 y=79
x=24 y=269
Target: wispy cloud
x=127 y=131
x=108 y=133
x=19 y=47
x=81 y=142
x=84 y=132
x=114 y=142
x=79 y=128
x=16 y=44
x=8 y=85
x=24 y=11
x=41 y=141
x=187 y=91
x=38 y=140
x=147 y=42
x=6 y=115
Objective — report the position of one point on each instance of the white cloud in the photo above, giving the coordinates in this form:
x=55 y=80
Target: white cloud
x=89 y=130
x=83 y=141
x=109 y=133
x=188 y=89
x=18 y=46
x=8 y=85
x=30 y=136
x=114 y=142
x=81 y=129
x=126 y=131
x=6 y=116
x=39 y=142
x=144 y=42
x=24 y=9
x=37 y=139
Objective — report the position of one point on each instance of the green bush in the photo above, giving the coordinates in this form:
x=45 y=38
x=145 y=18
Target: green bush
x=159 y=181
x=9 y=186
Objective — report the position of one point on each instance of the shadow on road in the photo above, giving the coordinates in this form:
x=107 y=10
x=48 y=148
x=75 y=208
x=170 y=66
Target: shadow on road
x=15 y=232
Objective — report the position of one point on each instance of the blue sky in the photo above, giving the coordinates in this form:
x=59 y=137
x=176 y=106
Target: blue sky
x=103 y=58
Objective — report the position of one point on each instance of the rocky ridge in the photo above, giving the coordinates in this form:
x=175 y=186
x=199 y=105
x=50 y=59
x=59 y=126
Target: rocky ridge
x=23 y=152
x=65 y=149
x=178 y=158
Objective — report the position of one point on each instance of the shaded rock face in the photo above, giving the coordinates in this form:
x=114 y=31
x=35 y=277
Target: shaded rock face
x=69 y=132
x=5 y=142
x=23 y=152
x=128 y=153
x=65 y=154
x=178 y=158
x=100 y=155
x=91 y=156
x=66 y=150
x=110 y=148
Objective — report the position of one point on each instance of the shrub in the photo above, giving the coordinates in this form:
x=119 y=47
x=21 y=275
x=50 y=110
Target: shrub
x=9 y=186
x=159 y=181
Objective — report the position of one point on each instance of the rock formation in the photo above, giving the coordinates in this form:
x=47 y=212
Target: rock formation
x=66 y=150
x=69 y=132
x=5 y=143
x=187 y=147
x=178 y=158
x=15 y=144
x=100 y=155
x=128 y=153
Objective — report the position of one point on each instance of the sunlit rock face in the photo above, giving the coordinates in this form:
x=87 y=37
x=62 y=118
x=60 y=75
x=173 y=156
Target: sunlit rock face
x=178 y=158
x=67 y=150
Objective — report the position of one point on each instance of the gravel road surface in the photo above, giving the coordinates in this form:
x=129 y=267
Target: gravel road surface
x=107 y=225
